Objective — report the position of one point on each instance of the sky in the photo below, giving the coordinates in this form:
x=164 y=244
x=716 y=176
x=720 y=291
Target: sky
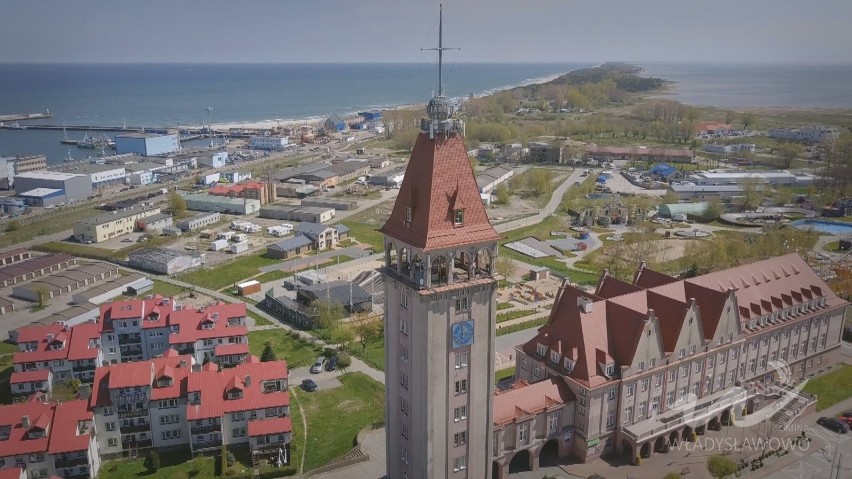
x=509 y=31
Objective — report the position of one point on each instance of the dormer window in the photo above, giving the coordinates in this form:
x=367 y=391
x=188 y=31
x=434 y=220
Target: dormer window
x=641 y=366
x=458 y=217
x=610 y=370
x=569 y=364
x=408 y=215
x=554 y=357
x=235 y=394
x=541 y=349
x=164 y=382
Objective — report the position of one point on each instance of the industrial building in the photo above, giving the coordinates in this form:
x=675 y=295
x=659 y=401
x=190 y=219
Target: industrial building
x=216 y=160
x=199 y=221
x=155 y=224
x=102 y=174
x=638 y=153
x=34 y=268
x=334 y=123
x=335 y=174
x=814 y=134
x=62 y=283
x=164 y=260
x=74 y=186
x=142 y=173
x=256 y=190
x=542 y=152
x=779 y=177
x=102 y=227
x=42 y=197
x=488 y=180
x=302 y=311
x=234 y=206
x=146 y=144
x=705 y=192
x=342 y=205
x=289 y=247
x=10 y=166
x=311 y=214
x=107 y=290
x=13 y=206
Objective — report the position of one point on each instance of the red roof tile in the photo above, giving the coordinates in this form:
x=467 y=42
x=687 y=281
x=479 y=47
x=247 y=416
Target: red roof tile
x=19 y=441
x=38 y=333
x=128 y=375
x=228 y=349
x=214 y=385
x=67 y=433
x=140 y=309
x=529 y=399
x=275 y=425
x=30 y=376
x=190 y=322
x=84 y=342
x=438 y=180
x=12 y=473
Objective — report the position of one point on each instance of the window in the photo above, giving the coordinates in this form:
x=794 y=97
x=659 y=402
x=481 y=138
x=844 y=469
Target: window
x=458 y=217
x=404 y=455
x=773 y=356
x=169 y=419
x=168 y=403
x=238 y=416
x=569 y=364
x=610 y=417
x=37 y=457
x=653 y=363
x=643 y=408
x=630 y=388
x=611 y=394
x=461 y=386
x=813 y=343
x=460 y=438
x=786 y=333
x=172 y=434
x=552 y=423
x=403 y=326
x=403 y=405
x=628 y=414
x=610 y=369
x=692 y=350
x=403 y=353
x=670 y=398
x=238 y=432
x=408 y=214
x=684 y=371
x=822 y=340
x=641 y=366
x=461 y=359
x=403 y=430
x=794 y=350
x=751 y=365
x=695 y=387
x=810 y=362
x=762 y=361
x=524 y=363
x=403 y=300
x=644 y=384
x=108 y=411
x=110 y=426
x=541 y=349
x=462 y=304
x=672 y=374
x=732 y=376
x=460 y=463
x=658 y=380
x=682 y=393
x=554 y=357
x=537 y=370
x=819 y=359
x=682 y=353
x=112 y=442
x=403 y=380
x=711 y=361
x=460 y=413
x=696 y=366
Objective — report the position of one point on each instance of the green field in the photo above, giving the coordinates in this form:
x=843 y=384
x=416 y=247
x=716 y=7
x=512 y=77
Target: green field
x=174 y=465
x=294 y=351
x=831 y=388
x=533 y=323
x=335 y=416
x=229 y=273
x=510 y=315
x=258 y=319
x=365 y=233
x=373 y=355
x=504 y=373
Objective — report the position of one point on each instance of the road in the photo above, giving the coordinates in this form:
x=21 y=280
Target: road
x=549 y=208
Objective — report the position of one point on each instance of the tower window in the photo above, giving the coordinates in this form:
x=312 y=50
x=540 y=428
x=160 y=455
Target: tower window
x=408 y=214
x=458 y=217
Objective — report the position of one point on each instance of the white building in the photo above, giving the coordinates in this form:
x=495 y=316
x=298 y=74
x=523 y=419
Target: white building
x=780 y=177
x=724 y=149
x=814 y=134
x=270 y=143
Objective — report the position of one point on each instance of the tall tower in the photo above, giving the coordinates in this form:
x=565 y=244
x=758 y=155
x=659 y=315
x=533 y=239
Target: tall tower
x=440 y=310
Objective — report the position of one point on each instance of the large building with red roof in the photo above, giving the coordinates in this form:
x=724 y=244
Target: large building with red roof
x=635 y=367
x=173 y=400
x=46 y=439
x=54 y=353
x=140 y=329
x=256 y=190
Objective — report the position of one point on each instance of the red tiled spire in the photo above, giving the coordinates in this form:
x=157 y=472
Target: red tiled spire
x=439 y=180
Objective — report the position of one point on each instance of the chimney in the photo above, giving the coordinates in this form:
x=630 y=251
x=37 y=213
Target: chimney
x=182 y=363
x=247 y=381
x=585 y=304
x=196 y=368
x=85 y=391
x=25 y=422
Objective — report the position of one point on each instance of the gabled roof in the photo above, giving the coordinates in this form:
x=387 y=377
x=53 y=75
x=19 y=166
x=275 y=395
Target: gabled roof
x=214 y=385
x=525 y=400
x=274 y=425
x=438 y=180
x=19 y=441
x=190 y=323
x=291 y=244
x=73 y=425
x=30 y=376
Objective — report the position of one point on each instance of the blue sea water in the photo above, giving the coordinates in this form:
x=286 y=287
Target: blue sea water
x=171 y=94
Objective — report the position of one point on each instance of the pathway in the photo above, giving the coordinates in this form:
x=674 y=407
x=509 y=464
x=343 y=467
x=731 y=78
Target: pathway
x=549 y=209
x=309 y=261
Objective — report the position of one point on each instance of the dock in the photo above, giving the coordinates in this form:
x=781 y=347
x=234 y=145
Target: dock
x=25 y=116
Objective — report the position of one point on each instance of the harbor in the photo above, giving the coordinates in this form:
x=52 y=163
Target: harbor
x=24 y=116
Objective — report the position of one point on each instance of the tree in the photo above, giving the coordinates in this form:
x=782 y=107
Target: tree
x=714 y=210
x=721 y=466
x=789 y=151
x=366 y=332
x=176 y=203
x=343 y=361
x=748 y=119
x=730 y=116
x=504 y=266
x=692 y=114
x=42 y=295
x=268 y=353
x=753 y=189
x=342 y=335
x=152 y=461
x=328 y=313
x=502 y=193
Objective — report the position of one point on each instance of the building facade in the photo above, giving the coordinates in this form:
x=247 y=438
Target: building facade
x=269 y=143
x=146 y=144
x=74 y=186
x=814 y=134
x=650 y=362
x=110 y=225
x=222 y=204
x=165 y=260
x=199 y=221
x=440 y=311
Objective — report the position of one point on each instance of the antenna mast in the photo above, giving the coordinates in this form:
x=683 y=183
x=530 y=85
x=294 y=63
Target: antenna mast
x=441 y=51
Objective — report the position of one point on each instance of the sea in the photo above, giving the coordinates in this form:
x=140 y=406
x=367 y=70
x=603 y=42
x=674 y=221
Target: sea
x=168 y=95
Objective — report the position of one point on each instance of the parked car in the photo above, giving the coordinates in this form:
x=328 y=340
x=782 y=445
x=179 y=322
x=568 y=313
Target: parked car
x=846 y=420
x=846 y=413
x=332 y=363
x=318 y=365
x=309 y=385
x=833 y=424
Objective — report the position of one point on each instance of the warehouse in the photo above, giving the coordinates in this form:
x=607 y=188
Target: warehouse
x=255 y=190
x=6 y=306
x=143 y=173
x=199 y=221
x=103 y=292
x=164 y=260
x=98 y=228
x=222 y=204
x=490 y=178
x=14 y=256
x=63 y=282
x=16 y=165
x=146 y=144
x=102 y=174
x=35 y=268
x=311 y=214
x=390 y=179
x=706 y=192
x=216 y=160
x=155 y=224
x=43 y=197
x=73 y=185
x=342 y=205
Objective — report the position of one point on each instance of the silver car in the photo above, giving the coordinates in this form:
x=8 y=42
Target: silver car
x=318 y=365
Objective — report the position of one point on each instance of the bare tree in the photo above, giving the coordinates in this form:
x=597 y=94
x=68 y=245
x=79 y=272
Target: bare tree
x=753 y=190
x=747 y=118
x=789 y=151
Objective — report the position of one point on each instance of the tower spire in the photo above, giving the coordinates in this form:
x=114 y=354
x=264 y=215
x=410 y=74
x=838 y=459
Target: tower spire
x=441 y=50
x=440 y=109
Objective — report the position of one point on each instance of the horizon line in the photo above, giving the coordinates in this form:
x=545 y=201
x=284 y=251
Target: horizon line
x=554 y=62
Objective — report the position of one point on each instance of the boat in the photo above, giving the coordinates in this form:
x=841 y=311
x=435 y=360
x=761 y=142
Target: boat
x=95 y=142
x=68 y=157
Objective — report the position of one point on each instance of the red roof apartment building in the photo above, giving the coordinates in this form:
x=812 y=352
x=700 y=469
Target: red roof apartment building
x=43 y=439
x=172 y=401
x=54 y=353
x=638 y=366
x=142 y=329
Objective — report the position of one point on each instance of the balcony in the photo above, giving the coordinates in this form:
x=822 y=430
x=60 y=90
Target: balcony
x=135 y=428
x=125 y=339
x=71 y=462
x=134 y=350
x=141 y=444
x=132 y=413
x=690 y=413
x=200 y=446
x=205 y=429
x=84 y=367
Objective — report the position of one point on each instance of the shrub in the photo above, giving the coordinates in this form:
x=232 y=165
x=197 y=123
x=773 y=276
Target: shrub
x=721 y=466
x=230 y=472
x=328 y=352
x=231 y=459
x=344 y=361
x=152 y=461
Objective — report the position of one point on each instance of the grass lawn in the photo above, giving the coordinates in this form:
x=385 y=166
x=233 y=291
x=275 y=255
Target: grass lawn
x=7 y=348
x=165 y=289
x=86 y=251
x=503 y=306
x=831 y=388
x=258 y=319
x=227 y=274
x=504 y=373
x=295 y=352
x=510 y=315
x=178 y=464
x=46 y=224
x=533 y=323
x=373 y=355
x=336 y=415
x=365 y=233
x=272 y=276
